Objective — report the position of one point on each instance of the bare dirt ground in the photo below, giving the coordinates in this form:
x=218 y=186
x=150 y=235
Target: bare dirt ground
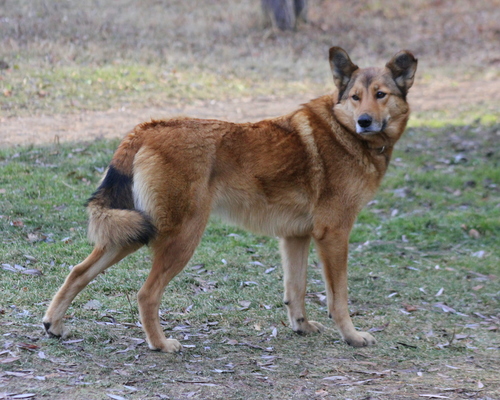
x=114 y=123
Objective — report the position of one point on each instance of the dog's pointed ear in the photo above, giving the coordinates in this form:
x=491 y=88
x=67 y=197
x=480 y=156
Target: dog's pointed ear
x=403 y=66
x=342 y=68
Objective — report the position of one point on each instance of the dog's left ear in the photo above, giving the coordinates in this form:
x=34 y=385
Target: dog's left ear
x=403 y=66
x=342 y=68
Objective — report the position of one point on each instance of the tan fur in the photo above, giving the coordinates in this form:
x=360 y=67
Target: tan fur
x=302 y=176
x=103 y=223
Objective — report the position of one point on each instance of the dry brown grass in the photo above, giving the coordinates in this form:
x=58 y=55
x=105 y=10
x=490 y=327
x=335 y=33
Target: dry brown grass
x=69 y=57
x=227 y=36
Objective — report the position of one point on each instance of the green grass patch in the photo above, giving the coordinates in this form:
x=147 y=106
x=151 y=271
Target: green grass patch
x=62 y=89
x=423 y=277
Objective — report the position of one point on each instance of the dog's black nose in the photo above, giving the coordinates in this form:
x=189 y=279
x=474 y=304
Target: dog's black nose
x=364 y=121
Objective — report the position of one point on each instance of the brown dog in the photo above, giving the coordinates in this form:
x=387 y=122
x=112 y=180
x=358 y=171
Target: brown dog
x=300 y=176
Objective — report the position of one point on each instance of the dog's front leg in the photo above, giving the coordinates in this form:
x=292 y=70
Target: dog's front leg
x=294 y=252
x=333 y=248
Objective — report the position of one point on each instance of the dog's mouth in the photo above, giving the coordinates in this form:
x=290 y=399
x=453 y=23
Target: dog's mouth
x=369 y=127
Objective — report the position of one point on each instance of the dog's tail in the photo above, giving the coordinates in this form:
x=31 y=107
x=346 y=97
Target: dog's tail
x=113 y=218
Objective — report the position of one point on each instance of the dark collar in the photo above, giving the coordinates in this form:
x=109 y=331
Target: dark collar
x=379 y=149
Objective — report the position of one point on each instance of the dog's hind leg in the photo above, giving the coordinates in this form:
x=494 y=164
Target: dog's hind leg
x=78 y=278
x=294 y=252
x=171 y=254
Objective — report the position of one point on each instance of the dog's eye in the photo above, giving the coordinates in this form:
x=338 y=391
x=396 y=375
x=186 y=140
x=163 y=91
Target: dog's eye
x=380 y=95
x=355 y=97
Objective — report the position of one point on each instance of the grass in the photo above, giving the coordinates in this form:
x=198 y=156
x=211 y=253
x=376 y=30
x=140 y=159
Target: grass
x=76 y=89
x=419 y=278
x=68 y=58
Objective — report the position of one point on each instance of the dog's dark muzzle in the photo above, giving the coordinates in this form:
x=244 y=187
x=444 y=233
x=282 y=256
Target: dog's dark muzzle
x=365 y=121
x=365 y=125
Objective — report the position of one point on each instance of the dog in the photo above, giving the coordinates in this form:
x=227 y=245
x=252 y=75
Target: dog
x=302 y=176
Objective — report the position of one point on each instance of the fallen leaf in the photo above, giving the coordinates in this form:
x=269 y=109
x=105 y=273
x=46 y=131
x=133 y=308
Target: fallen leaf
x=245 y=304
x=18 y=374
x=72 y=341
x=92 y=305
x=116 y=397
x=34 y=271
x=410 y=308
x=257 y=263
x=440 y=292
x=24 y=396
x=444 y=307
x=8 y=267
x=8 y=360
x=66 y=240
x=474 y=234
x=34 y=237
x=379 y=328
x=27 y=346
x=363 y=382
x=125 y=350
x=480 y=385
x=335 y=378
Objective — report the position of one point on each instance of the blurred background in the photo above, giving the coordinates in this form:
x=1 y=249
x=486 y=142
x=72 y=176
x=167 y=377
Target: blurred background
x=62 y=56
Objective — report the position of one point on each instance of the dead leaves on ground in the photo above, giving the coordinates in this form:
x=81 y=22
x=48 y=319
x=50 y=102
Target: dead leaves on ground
x=426 y=382
x=23 y=270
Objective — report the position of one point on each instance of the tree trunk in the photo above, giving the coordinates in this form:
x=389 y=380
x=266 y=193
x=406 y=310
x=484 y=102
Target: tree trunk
x=283 y=14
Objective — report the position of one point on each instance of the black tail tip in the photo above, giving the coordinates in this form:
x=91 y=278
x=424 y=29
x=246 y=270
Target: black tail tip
x=148 y=231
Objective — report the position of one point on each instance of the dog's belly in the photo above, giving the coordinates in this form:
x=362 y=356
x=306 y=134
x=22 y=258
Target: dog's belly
x=266 y=219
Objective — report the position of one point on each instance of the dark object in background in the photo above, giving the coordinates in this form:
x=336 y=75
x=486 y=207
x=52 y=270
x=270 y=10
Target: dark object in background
x=284 y=14
x=3 y=65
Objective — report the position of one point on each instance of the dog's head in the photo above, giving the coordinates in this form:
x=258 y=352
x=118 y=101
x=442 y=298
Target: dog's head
x=373 y=100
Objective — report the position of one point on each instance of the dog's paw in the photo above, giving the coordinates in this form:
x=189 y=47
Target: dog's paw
x=305 y=327
x=55 y=330
x=167 y=346
x=360 y=339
